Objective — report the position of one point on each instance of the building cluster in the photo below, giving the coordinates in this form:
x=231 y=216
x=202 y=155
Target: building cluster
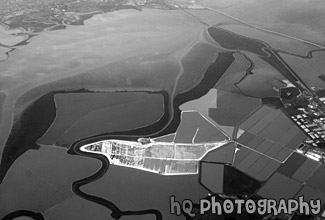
x=158 y=157
x=120 y=153
x=308 y=113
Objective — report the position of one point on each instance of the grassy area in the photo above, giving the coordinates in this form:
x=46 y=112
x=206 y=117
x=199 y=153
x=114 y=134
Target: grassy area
x=123 y=117
x=71 y=107
x=233 y=108
x=238 y=183
x=233 y=74
x=262 y=81
x=275 y=41
x=278 y=16
x=195 y=64
x=27 y=128
x=232 y=41
x=2 y=99
x=308 y=69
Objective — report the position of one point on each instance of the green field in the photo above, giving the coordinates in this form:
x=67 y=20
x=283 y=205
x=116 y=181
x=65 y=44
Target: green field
x=2 y=99
x=275 y=41
x=234 y=74
x=233 y=108
x=122 y=117
x=72 y=107
x=195 y=63
x=308 y=69
x=263 y=80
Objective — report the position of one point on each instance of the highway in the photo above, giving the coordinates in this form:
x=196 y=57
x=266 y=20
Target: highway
x=260 y=28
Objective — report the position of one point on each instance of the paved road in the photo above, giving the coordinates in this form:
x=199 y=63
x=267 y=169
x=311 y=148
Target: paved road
x=262 y=29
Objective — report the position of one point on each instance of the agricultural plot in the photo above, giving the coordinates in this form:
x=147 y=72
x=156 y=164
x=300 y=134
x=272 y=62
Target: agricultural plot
x=280 y=187
x=233 y=108
x=187 y=129
x=165 y=138
x=204 y=105
x=184 y=167
x=171 y=167
x=310 y=193
x=211 y=176
x=190 y=151
x=254 y=164
x=317 y=180
x=296 y=176
x=272 y=133
x=224 y=154
x=244 y=184
x=196 y=129
x=161 y=151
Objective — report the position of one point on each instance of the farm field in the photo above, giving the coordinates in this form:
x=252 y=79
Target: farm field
x=270 y=132
x=233 y=108
x=165 y=138
x=211 y=176
x=194 y=128
x=204 y=105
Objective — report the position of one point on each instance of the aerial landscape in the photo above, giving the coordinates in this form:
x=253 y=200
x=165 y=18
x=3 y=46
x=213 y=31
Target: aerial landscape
x=162 y=109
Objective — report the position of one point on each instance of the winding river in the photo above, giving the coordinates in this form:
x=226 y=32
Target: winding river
x=211 y=77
